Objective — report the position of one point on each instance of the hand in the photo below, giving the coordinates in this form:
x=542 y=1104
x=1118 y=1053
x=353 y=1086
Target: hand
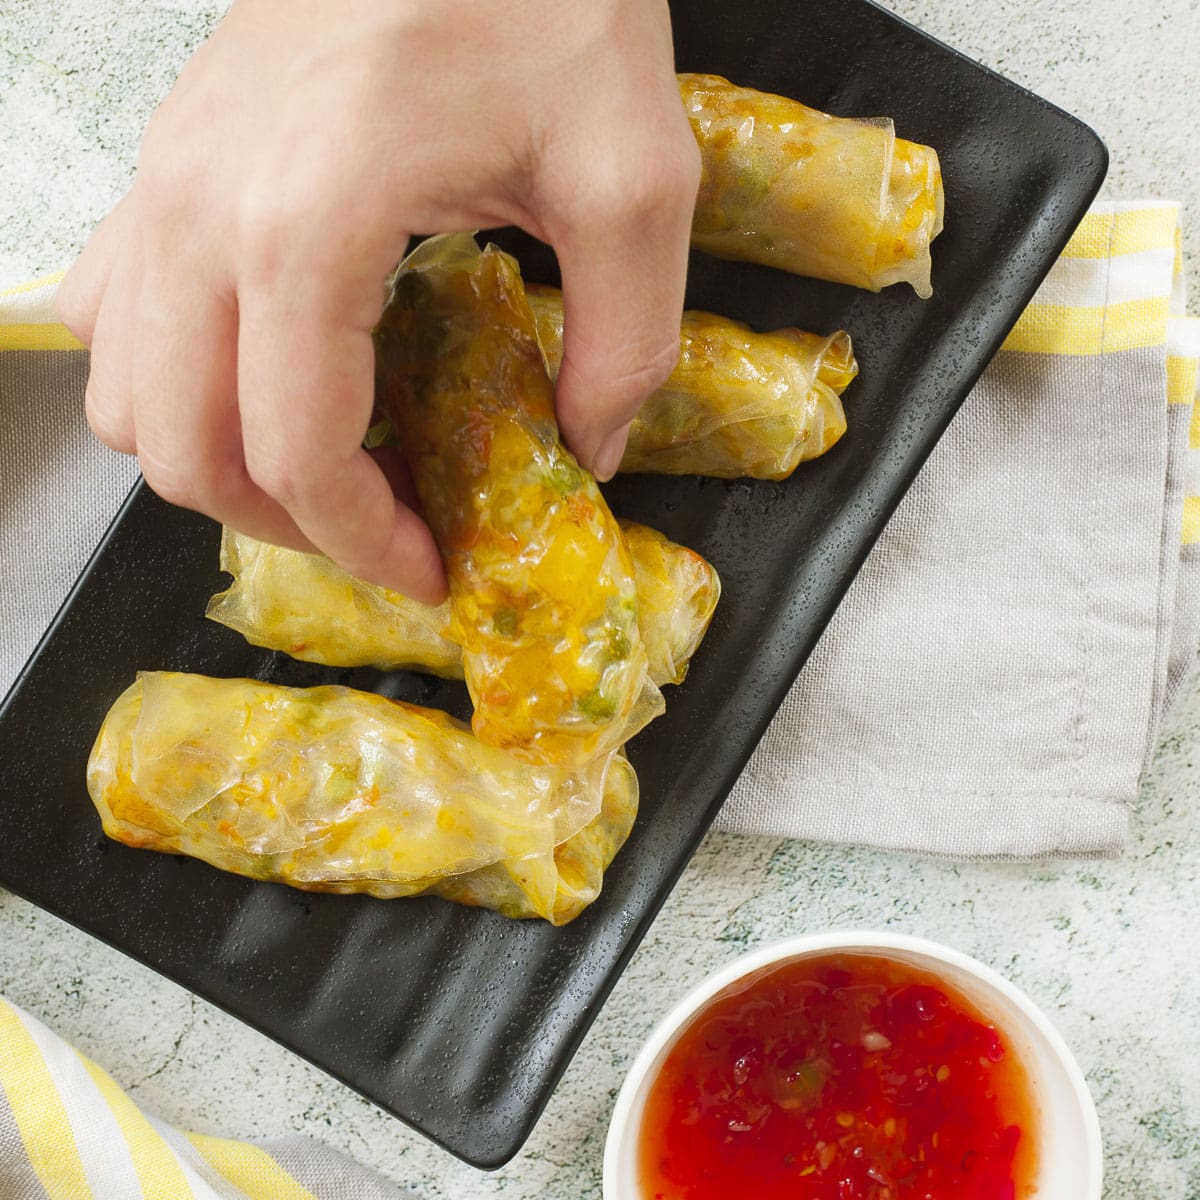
x=229 y=298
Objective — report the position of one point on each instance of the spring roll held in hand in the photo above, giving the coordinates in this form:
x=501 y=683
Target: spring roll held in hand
x=542 y=595
x=308 y=607
x=329 y=789
x=790 y=187
x=738 y=404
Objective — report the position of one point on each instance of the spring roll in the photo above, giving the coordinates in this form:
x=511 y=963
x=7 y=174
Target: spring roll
x=830 y=197
x=308 y=607
x=739 y=404
x=311 y=609
x=542 y=595
x=329 y=789
x=580 y=862
x=678 y=591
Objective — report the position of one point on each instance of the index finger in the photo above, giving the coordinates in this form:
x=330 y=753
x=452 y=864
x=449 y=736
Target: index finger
x=306 y=388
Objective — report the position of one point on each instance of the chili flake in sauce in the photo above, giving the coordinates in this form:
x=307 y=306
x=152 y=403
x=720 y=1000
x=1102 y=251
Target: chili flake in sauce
x=839 y=1077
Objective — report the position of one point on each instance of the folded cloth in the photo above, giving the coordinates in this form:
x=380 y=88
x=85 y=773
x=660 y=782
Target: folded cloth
x=68 y=1132
x=993 y=683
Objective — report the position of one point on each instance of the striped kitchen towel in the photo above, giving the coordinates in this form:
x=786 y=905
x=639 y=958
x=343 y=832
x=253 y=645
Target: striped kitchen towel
x=68 y=1132
x=28 y=320
x=993 y=683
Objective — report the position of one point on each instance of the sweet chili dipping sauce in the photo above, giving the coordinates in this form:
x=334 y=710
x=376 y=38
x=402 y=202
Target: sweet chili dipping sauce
x=839 y=1077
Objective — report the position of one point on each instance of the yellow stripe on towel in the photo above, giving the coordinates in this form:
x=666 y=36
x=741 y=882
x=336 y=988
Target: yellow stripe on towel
x=1181 y=379
x=250 y=1168
x=1061 y=329
x=39 y=1114
x=38 y=337
x=1110 y=234
x=1194 y=427
x=157 y=1167
x=1191 y=520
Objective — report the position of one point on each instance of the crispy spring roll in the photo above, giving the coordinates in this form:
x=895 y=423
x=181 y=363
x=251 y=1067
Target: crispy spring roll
x=542 y=594
x=329 y=789
x=308 y=607
x=831 y=197
x=739 y=404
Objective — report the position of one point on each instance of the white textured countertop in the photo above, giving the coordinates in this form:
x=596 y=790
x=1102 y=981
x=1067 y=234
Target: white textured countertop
x=1111 y=950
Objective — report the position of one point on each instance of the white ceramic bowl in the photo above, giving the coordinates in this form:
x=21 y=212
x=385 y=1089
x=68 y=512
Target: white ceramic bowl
x=1070 y=1160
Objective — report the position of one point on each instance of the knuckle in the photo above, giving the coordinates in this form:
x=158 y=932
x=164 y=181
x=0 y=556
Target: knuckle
x=659 y=362
x=630 y=373
x=110 y=428
x=645 y=179
x=157 y=139
x=168 y=185
x=264 y=226
x=174 y=484
x=590 y=187
x=646 y=369
x=682 y=161
x=675 y=150
x=661 y=178
x=283 y=479
x=274 y=222
x=214 y=482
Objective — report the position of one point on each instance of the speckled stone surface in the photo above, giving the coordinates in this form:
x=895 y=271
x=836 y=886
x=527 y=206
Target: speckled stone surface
x=1109 y=949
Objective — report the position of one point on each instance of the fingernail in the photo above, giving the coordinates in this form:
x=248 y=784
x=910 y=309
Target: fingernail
x=612 y=450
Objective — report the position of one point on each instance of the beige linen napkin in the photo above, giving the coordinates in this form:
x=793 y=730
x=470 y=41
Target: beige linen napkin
x=993 y=682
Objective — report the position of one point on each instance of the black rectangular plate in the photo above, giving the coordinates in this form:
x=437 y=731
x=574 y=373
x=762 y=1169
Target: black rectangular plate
x=458 y=1021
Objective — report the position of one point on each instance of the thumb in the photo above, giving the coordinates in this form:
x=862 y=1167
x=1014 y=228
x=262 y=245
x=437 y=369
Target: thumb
x=623 y=283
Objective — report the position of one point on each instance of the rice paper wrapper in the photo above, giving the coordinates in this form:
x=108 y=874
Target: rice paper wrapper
x=542 y=593
x=308 y=607
x=327 y=788
x=738 y=404
x=311 y=609
x=678 y=591
x=836 y=198
x=527 y=889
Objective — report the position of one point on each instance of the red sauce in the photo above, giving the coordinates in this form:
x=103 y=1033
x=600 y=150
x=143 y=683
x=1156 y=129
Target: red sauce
x=839 y=1077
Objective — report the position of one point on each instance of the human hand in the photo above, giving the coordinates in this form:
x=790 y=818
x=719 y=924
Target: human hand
x=229 y=298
